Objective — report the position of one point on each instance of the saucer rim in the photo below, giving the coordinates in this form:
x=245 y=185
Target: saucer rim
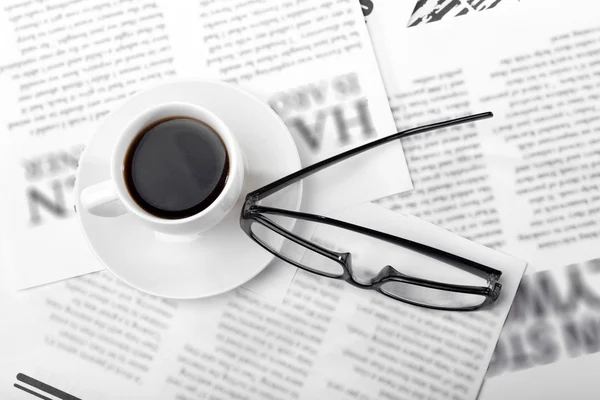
x=241 y=91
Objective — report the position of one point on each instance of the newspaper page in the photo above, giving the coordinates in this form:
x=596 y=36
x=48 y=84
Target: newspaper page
x=554 y=318
x=527 y=183
x=66 y=64
x=94 y=337
x=549 y=348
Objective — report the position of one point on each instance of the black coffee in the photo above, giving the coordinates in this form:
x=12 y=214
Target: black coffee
x=176 y=167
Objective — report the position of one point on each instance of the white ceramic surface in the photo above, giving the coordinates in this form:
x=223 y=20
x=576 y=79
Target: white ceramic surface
x=115 y=189
x=224 y=257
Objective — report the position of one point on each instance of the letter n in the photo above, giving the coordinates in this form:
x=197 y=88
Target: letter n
x=54 y=205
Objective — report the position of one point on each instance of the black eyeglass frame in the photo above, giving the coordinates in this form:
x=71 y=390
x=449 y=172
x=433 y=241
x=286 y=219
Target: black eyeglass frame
x=252 y=213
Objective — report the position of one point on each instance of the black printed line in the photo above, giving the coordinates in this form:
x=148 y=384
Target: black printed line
x=494 y=4
x=419 y=4
x=476 y=6
x=417 y=22
x=45 y=387
x=437 y=14
x=463 y=12
x=41 y=396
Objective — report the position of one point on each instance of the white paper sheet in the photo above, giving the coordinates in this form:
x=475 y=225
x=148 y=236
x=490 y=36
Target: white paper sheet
x=66 y=64
x=526 y=181
x=325 y=340
x=575 y=378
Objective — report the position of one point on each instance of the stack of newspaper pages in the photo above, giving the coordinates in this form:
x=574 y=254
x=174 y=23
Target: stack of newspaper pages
x=518 y=191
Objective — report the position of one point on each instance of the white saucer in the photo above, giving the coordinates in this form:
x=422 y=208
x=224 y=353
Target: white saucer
x=224 y=257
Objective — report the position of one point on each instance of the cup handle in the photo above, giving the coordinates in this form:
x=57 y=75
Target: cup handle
x=102 y=200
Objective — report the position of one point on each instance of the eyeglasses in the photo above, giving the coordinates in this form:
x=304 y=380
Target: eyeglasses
x=272 y=229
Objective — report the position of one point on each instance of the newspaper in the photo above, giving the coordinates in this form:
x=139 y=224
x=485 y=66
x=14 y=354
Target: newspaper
x=528 y=183
x=554 y=318
x=66 y=64
x=551 y=333
x=326 y=340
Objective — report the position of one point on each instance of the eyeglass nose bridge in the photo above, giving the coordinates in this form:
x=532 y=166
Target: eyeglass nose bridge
x=353 y=279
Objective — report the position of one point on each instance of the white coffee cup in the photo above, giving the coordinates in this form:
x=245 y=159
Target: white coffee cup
x=115 y=190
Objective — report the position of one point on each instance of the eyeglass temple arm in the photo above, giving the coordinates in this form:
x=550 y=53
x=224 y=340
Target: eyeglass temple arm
x=286 y=181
